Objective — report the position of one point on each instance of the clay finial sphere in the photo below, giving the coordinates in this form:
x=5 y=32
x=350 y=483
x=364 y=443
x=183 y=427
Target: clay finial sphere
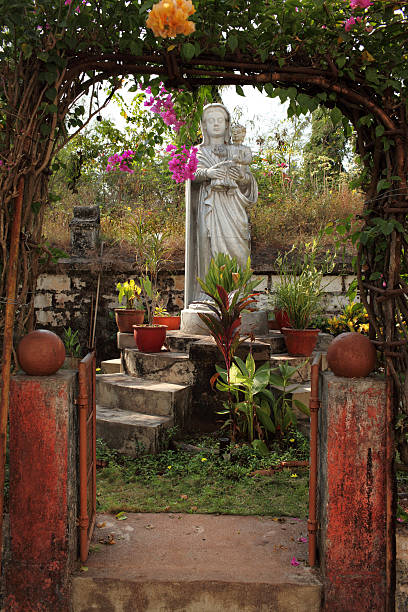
x=40 y=353
x=351 y=355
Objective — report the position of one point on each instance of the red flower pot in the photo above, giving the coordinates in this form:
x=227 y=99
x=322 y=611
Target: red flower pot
x=149 y=338
x=127 y=317
x=172 y=322
x=300 y=342
x=282 y=318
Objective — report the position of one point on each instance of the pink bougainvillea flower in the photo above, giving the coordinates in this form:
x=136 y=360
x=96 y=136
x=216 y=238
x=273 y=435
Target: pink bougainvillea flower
x=294 y=562
x=348 y=23
x=67 y=2
x=302 y=539
x=360 y=4
x=183 y=164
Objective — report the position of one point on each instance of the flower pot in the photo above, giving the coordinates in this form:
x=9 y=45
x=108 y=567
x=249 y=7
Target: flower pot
x=172 y=322
x=300 y=342
x=149 y=338
x=281 y=318
x=127 y=317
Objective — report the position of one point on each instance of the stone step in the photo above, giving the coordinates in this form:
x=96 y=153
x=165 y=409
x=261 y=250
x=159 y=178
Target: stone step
x=111 y=366
x=197 y=563
x=131 y=433
x=120 y=391
x=169 y=367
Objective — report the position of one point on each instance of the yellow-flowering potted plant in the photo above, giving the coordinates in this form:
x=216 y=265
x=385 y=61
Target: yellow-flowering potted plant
x=163 y=317
x=132 y=311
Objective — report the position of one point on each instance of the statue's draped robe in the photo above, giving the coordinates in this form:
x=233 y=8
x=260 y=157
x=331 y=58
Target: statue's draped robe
x=221 y=215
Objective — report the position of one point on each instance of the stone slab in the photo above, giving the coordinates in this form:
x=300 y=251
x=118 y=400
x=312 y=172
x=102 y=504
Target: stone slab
x=251 y=322
x=131 y=433
x=111 y=366
x=125 y=340
x=123 y=392
x=172 y=367
x=198 y=563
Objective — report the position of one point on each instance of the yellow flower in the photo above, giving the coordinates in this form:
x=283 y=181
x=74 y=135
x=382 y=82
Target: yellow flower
x=204 y=459
x=168 y=18
x=169 y=467
x=293 y=475
x=292 y=440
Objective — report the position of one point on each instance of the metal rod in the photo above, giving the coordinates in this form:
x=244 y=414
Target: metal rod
x=314 y=405
x=11 y=288
x=96 y=304
x=83 y=493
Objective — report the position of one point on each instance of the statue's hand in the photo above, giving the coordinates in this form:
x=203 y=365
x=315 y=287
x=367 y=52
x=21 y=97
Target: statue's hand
x=215 y=173
x=235 y=173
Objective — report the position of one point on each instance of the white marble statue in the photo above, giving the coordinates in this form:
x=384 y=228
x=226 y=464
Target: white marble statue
x=218 y=199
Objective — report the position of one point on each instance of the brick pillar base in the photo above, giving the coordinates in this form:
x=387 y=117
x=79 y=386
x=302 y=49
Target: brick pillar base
x=352 y=493
x=43 y=492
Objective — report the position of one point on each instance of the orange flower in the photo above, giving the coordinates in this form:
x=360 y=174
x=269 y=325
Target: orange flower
x=168 y=18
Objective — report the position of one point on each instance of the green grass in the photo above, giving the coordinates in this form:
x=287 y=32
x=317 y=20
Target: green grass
x=178 y=481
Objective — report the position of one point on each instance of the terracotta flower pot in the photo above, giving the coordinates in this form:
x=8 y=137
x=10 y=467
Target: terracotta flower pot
x=281 y=318
x=172 y=322
x=149 y=338
x=41 y=353
x=127 y=317
x=351 y=355
x=300 y=342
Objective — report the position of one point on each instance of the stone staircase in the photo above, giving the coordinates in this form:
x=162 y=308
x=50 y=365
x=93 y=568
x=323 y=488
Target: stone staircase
x=142 y=395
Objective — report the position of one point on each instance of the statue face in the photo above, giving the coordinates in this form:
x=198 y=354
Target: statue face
x=215 y=123
x=238 y=133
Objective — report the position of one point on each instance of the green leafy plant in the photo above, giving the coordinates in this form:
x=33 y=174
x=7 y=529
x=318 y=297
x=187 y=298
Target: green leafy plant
x=255 y=412
x=130 y=292
x=161 y=311
x=150 y=296
x=71 y=342
x=300 y=288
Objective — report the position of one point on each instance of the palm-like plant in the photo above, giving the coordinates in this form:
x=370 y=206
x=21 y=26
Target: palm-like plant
x=232 y=291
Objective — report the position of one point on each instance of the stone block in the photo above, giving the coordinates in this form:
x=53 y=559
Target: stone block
x=125 y=341
x=131 y=433
x=53 y=282
x=44 y=317
x=111 y=366
x=332 y=284
x=178 y=282
x=169 y=367
x=61 y=299
x=43 y=492
x=43 y=300
x=352 y=493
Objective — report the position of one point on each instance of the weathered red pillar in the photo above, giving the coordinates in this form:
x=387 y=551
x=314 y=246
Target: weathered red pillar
x=352 y=493
x=43 y=492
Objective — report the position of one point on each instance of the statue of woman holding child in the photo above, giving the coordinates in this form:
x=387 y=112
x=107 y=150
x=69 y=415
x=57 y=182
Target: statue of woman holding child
x=218 y=199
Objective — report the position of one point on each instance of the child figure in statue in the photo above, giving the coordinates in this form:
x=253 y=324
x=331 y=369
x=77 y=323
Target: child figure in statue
x=241 y=154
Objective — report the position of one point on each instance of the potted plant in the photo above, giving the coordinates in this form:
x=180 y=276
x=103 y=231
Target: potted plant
x=163 y=317
x=299 y=294
x=151 y=252
x=132 y=312
x=72 y=348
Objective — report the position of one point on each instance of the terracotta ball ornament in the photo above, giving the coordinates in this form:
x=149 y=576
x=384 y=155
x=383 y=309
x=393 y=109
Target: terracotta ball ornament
x=40 y=353
x=351 y=355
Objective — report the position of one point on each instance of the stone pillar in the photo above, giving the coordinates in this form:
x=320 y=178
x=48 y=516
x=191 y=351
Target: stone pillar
x=43 y=492
x=85 y=229
x=352 y=493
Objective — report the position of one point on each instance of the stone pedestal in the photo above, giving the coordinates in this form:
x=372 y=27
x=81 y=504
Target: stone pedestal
x=85 y=229
x=251 y=322
x=352 y=493
x=43 y=492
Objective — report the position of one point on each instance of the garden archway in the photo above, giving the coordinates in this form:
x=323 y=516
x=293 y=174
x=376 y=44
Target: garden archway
x=301 y=50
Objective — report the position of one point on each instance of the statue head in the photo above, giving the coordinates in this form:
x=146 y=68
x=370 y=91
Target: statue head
x=238 y=133
x=215 y=121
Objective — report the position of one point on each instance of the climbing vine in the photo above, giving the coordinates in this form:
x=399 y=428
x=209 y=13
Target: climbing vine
x=349 y=56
